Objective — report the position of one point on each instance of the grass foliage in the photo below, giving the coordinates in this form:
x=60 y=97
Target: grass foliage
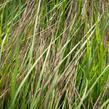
x=54 y=54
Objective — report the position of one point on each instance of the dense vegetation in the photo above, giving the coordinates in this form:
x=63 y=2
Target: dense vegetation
x=54 y=54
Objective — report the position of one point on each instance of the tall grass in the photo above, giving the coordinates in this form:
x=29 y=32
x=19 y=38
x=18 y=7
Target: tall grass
x=54 y=54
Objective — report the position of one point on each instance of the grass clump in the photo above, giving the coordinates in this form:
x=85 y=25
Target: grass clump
x=54 y=54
